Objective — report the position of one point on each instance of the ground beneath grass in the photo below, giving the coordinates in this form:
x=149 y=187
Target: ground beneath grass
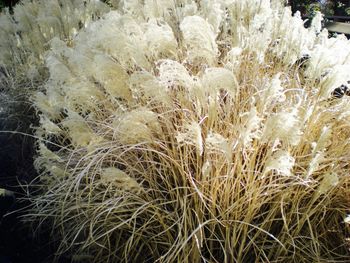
x=17 y=243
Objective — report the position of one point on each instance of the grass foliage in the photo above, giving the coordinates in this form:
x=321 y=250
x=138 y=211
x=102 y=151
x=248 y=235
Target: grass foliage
x=25 y=32
x=194 y=131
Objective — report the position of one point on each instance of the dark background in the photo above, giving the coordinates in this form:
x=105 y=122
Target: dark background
x=8 y=3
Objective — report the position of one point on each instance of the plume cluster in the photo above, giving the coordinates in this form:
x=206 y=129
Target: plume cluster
x=25 y=35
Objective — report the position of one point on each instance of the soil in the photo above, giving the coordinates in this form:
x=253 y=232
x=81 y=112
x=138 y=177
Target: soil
x=17 y=243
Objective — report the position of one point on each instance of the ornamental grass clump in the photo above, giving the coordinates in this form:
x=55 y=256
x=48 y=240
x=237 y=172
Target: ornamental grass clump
x=195 y=131
x=25 y=35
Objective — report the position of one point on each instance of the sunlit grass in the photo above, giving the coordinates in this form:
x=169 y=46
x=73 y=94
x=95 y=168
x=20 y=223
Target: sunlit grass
x=195 y=132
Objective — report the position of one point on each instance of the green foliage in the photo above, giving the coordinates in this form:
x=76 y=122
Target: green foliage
x=347 y=10
x=302 y=6
x=328 y=7
x=341 y=9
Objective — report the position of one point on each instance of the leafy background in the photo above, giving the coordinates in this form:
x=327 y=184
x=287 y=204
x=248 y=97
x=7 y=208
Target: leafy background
x=307 y=7
x=7 y=3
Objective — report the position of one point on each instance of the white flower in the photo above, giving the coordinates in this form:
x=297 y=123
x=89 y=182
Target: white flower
x=172 y=74
x=329 y=181
x=284 y=126
x=281 y=162
x=192 y=135
x=216 y=79
x=250 y=127
x=217 y=143
x=119 y=178
x=137 y=126
x=199 y=39
x=347 y=219
x=316 y=24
